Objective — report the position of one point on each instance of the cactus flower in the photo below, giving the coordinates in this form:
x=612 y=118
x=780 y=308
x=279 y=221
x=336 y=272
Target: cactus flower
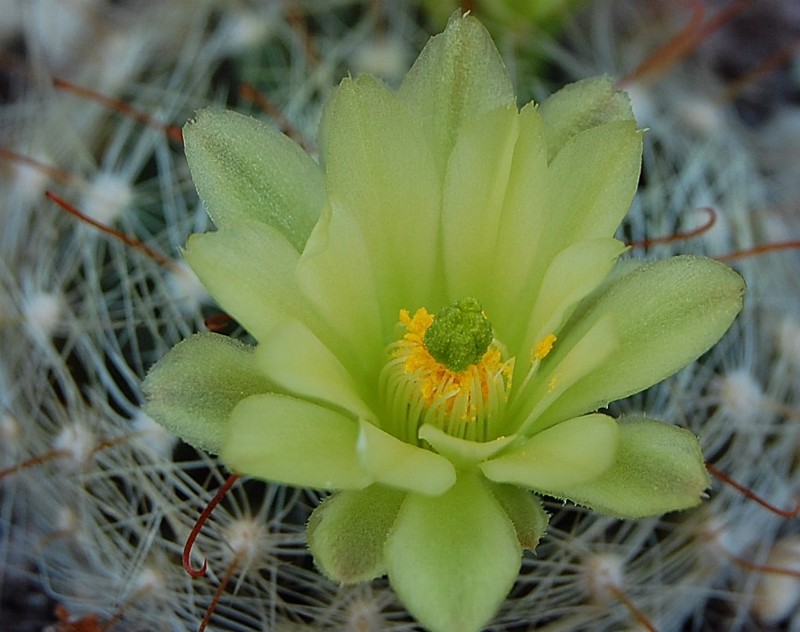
x=439 y=313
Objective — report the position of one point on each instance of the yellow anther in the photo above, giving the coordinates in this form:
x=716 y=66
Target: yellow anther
x=544 y=347
x=467 y=390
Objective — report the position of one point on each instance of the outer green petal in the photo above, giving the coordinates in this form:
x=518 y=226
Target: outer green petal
x=658 y=468
x=453 y=559
x=472 y=199
x=402 y=465
x=379 y=168
x=245 y=169
x=347 y=532
x=192 y=390
x=287 y=440
x=462 y=452
x=295 y=359
x=559 y=457
x=457 y=76
x=580 y=106
x=525 y=511
x=249 y=270
x=666 y=313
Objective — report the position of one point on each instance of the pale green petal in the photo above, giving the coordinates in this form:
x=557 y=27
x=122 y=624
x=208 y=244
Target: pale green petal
x=379 y=168
x=347 y=532
x=457 y=76
x=591 y=183
x=462 y=452
x=580 y=106
x=287 y=440
x=472 y=199
x=452 y=559
x=516 y=258
x=525 y=511
x=658 y=468
x=294 y=358
x=666 y=313
x=560 y=457
x=192 y=390
x=402 y=465
x=249 y=270
x=337 y=275
x=569 y=363
x=574 y=273
x=583 y=195
x=245 y=169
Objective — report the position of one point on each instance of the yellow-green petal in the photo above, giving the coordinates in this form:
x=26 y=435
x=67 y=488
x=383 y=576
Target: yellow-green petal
x=580 y=106
x=249 y=270
x=583 y=195
x=658 y=468
x=379 y=168
x=560 y=457
x=347 y=532
x=293 y=358
x=452 y=559
x=591 y=183
x=516 y=258
x=245 y=169
x=472 y=200
x=573 y=274
x=402 y=465
x=666 y=313
x=192 y=390
x=337 y=275
x=462 y=452
x=457 y=76
x=287 y=440
x=570 y=362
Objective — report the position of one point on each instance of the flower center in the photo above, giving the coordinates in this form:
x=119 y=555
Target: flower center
x=459 y=335
x=447 y=370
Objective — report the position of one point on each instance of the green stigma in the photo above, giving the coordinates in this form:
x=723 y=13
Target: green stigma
x=459 y=335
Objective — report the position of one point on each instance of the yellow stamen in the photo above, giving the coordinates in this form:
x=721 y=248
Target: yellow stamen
x=539 y=353
x=435 y=379
x=544 y=347
x=433 y=393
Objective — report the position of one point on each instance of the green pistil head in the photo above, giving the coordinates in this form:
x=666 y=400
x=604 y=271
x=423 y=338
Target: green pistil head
x=459 y=335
